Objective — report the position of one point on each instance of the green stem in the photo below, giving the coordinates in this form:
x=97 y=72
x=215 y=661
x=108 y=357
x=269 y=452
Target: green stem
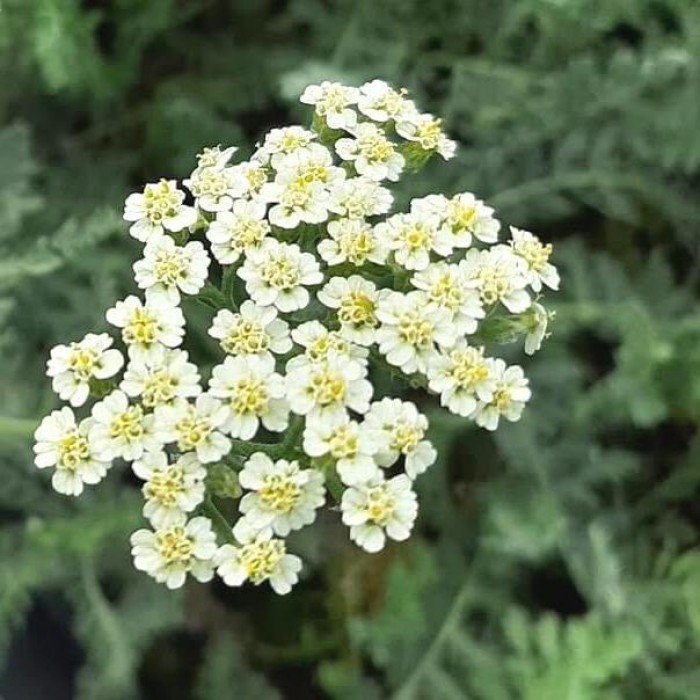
x=220 y=523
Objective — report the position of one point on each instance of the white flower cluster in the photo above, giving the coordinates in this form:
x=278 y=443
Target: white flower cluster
x=334 y=286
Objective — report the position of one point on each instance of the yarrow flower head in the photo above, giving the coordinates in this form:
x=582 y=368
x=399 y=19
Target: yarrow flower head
x=317 y=299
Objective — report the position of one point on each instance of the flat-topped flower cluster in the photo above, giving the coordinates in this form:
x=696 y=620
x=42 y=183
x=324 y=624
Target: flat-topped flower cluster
x=315 y=289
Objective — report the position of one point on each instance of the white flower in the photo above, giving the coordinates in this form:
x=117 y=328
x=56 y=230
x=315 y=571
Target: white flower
x=172 y=489
x=379 y=509
x=314 y=163
x=254 y=393
x=536 y=256
x=371 y=152
x=463 y=217
x=500 y=276
x=277 y=274
x=510 y=394
x=259 y=558
x=247 y=179
x=157 y=209
x=145 y=327
x=73 y=366
x=353 y=241
x=168 y=269
x=397 y=428
x=463 y=377
x=63 y=444
x=410 y=328
x=319 y=343
x=254 y=330
x=161 y=378
x=536 y=323
x=326 y=388
x=234 y=233
x=359 y=197
x=282 y=142
x=427 y=131
x=356 y=299
x=413 y=237
x=283 y=497
x=340 y=438
x=214 y=157
x=169 y=554
x=380 y=102
x=212 y=187
x=332 y=102
x=195 y=428
x=445 y=286
x=121 y=430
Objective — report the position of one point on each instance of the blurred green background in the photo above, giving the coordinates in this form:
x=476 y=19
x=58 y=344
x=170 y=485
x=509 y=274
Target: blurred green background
x=555 y=560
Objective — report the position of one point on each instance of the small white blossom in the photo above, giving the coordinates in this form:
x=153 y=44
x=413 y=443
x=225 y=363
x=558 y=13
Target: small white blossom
x=281 y=142
x=358 y=198
x=499 y=275
x=214 y=157
x=380 y=102
x=397 y=428
x=253 y=330
x=73 y=366
x=426 y=131
x=195 y=427
x=326 y=388
x=463 y=377
x=371 y=152
x=355 y=299
x=536 y=256
x=146 y=327
x=410 y=328
x=412 y=237
x=536 y=326
x=346 y=442
x=332 y=102
x=157 y=209
x=259 y=558
x=278 y=274
x=234 y=233
x=446 y=287
x=511 y=393
x=168 y=269
x=172 y=489
x=169 y=554
x=120 y=429
x=379 y=509
x=283 y=497
x=212 y=183
x=161 y=378
x=353 y=241
x=319 y=344
x=64 y=445
x=254 y=394
x=247 y=179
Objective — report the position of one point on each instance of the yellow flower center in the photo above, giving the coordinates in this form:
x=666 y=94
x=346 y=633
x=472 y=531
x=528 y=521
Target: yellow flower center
x=159 y=388
x=343 y=443
x=174 y=545
x=333 y=100
x=313 y=172
x=416 y=236
x=73 y=450
x=164 y=486
x=210 y=181
x=446 y=292
x=356 y=246
x=141 y=328
x=376 y=148
x=246 y=233
x=468 y=367
x=82 y=361
x=460 y=217
x=405 y=438
x=297 y=193
x=249 y=397
x=245 y=338
x=501 y=398
x=534 y=253
x=319 y=348
x=161 y=201
x=493 y=284
x=326 y=387
x=169 y=267
x=428 y=133
x=390 y=102
x=290 y=142
x=415 y=330
x=256 y=178
x=357 y=309
x=279 y=272
x=380 y=506
x=279 y=493
x=127 y=425
x=192 y=431
x=261 y=559
x=208 y=157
